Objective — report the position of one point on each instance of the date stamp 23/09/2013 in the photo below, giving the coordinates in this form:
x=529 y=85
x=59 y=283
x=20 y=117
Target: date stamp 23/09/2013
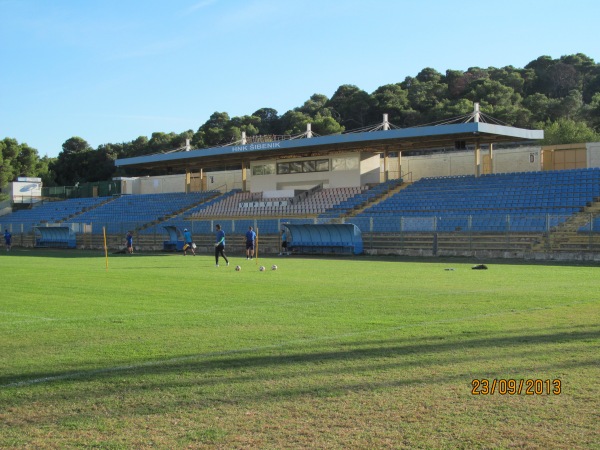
x=513 y=386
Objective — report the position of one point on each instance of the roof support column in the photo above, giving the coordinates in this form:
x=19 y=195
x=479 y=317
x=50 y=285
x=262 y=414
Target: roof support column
x=203 y=186
x=188 y=180
x=385 y=165
x=477 y=158
x=245 y=166
x=399 y=164
x=492 y=158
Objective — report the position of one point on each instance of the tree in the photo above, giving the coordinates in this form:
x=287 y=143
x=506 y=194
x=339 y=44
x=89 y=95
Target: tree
x=294 y=122
x=26 y=161
x=198 y=140
x=269 y=121
x=316 y=104
x=567 y=131
x=563 y=78
x=45 y=173
x=22 y=160
x=592 y=112
x=214 y=129
x=102 y=163
x=429 y=75
x=540 y=106
x=247 y=124
x=326 y=125
x=72 y=164
x=457 y=83
x=425 y=97
x=571 y=105
x=509 y=76
x=541 y=82
x=448 y=108
x=389 y=99
x=75 y=145
x=350 y=106
x=9 y=150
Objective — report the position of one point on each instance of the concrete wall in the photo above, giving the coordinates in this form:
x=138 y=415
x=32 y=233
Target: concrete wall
x=520 y=159
x=370 y=169
x=224 y=181
x=366 y=172
x=593 y=154
x=159 y=185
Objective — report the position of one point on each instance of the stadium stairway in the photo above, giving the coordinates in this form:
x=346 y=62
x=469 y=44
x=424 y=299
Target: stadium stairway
x=178 y=212
x=566 y=236
x=373 y=201
x=86 y=209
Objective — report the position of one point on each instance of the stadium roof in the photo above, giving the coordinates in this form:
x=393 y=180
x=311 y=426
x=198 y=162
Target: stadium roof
x=394 y=140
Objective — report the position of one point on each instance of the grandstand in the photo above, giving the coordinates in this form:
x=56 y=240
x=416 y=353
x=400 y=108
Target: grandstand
x=521 y=202
x=49 y=212
x=355 y=179
x=491 y=210
x=135 y=212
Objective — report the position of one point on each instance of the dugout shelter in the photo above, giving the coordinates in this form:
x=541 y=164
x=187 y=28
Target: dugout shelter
x=54 y=237
x=175 y=240
x=324 y=238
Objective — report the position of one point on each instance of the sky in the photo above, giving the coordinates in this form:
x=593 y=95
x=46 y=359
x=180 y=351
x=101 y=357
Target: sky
x=110 y=71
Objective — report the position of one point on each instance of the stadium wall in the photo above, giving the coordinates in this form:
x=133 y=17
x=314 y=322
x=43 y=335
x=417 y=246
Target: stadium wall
x=519 y=159
x=159 y=185
x=344 y=171
x=223 y=181
x=593 y=154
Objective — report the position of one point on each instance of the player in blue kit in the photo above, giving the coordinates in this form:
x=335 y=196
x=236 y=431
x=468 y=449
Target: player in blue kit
x=220 y=245
x=250 y=243
x=7 y=239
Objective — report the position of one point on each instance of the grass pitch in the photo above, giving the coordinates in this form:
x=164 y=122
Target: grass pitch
x=166 y=351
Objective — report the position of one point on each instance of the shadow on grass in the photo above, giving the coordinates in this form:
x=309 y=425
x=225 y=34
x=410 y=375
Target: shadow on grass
x=469 y=260
x=74 y=254
x=242 y=379
x=380 y=354
x=71 y=253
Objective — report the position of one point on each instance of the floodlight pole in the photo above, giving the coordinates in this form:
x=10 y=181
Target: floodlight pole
x=256 y=248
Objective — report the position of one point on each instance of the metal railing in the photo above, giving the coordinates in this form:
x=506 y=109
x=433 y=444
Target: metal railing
x=543 y=232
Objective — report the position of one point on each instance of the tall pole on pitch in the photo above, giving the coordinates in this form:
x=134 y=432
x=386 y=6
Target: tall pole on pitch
x=256 y=249
x=105 y=247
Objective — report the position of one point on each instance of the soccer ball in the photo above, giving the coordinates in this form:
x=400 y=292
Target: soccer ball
x=193 y=246
x=261 y=268
x=238 y=268
x=274 y=267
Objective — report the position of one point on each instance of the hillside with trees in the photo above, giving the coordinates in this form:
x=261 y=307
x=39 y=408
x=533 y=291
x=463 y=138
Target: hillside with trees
x=560 y=96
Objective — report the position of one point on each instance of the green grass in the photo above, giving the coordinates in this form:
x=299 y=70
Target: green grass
x=162 y=351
